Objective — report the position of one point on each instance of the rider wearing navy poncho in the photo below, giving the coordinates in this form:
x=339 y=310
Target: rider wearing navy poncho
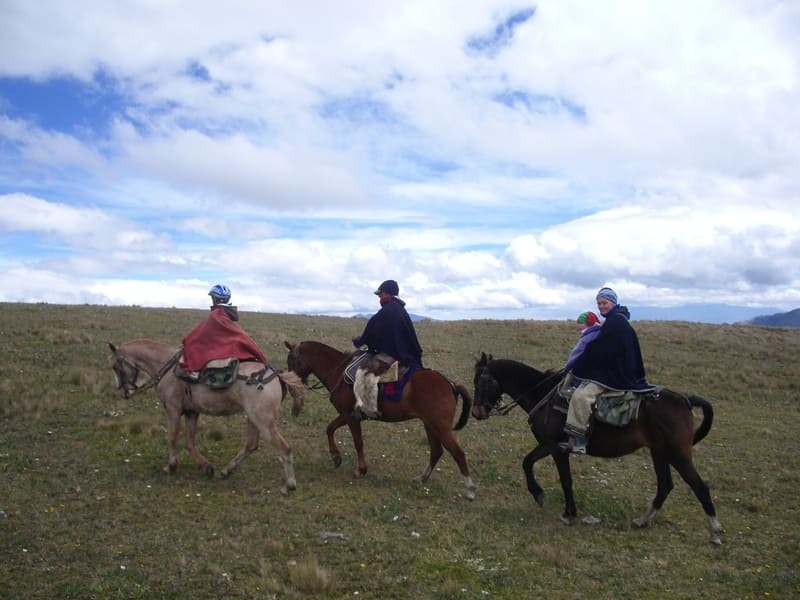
x=611 y=361
x=390 y=330
x=613 y=358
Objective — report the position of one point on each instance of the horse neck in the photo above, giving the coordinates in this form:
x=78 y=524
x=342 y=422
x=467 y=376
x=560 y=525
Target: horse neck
x=327 y=363
x=148 y=355
x=522 y=383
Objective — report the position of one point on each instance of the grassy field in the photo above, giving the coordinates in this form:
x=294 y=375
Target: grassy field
x=87 y=512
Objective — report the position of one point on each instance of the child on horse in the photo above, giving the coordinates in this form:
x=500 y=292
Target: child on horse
x=218 y=336
x=611 y=361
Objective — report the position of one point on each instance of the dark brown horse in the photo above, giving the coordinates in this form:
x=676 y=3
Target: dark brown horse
x=665 y=424
x=258 y=395
x=428 y=396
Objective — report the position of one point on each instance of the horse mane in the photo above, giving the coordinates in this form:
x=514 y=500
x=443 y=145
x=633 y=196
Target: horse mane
x=516 y=365
x=323 y=347
x=146 y=342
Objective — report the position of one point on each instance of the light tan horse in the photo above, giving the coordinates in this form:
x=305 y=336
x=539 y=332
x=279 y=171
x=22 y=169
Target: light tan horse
x=259 y=397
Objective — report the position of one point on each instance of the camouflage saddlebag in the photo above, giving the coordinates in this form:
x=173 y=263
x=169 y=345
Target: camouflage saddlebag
x=616 y=408
x=220 y=374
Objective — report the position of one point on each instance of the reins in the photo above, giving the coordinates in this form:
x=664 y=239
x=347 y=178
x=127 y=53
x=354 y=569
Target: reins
x=506 y=408
x=156 y=379
x=320 y=385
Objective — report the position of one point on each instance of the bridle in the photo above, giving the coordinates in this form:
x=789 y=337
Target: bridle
x=294 y=355
x=486 y=382
x=128 y=386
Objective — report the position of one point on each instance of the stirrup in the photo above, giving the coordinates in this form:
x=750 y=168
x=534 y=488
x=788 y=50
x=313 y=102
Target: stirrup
x=359 y=414
x=574 y=445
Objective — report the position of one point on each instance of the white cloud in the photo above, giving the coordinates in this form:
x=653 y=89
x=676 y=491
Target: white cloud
x=288 y=149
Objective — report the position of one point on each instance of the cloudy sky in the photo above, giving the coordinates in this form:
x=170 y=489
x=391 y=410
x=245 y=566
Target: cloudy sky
x=499 y=159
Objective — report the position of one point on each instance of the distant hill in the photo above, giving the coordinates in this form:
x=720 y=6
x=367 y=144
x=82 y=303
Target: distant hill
x=787 y=319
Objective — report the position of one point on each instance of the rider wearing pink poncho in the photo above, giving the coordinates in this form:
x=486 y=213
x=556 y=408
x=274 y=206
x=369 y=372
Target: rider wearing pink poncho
x=219 y=336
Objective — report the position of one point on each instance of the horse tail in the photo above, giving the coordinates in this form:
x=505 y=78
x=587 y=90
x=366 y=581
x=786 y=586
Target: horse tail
x=466 y=405
x=708 y=417
x=292 y=381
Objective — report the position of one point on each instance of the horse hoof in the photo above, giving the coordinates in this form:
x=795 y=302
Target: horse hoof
x=567 y=520
x=470 y=495
x=640 y=523
x=208 y=470
x=539 y=499
x=337 y=461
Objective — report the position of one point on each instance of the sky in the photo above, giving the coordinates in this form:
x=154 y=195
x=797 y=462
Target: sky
x=499 y=159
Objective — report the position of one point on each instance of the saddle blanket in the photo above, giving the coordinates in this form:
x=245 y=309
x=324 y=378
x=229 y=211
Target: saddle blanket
x=392 y=391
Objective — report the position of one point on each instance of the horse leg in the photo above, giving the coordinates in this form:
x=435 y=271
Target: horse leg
x=527 y=467
x=173 y=431
x=565 y=475
x=664 y=487
x=358 y=442
x=191 y=432
x=274 y=437
x=250 y=446
x=690 y=475
x=435 y=454
x=333 y=450
x=448 y=440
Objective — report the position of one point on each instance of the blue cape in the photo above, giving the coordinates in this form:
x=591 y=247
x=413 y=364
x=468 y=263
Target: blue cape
x=613 y=359
x=391 y=331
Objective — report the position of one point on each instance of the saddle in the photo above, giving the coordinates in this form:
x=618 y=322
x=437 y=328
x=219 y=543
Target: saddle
x=613 y=407
x=384 y=366
x=218 y=374
x=222 y=373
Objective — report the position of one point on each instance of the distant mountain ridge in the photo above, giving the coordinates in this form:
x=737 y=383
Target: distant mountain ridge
x=787 y=319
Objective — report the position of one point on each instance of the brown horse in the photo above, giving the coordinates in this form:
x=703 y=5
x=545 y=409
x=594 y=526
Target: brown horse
x=428 y=396
x=665 y=424
x=258 y=392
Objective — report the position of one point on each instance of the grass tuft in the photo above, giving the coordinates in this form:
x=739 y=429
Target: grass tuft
x=308 y=576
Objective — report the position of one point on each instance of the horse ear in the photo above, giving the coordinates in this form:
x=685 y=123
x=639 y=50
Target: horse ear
x=112 y=346
x=491 y=358
x=288 y=345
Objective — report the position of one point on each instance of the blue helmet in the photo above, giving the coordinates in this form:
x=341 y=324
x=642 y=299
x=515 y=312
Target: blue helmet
x=220 y=293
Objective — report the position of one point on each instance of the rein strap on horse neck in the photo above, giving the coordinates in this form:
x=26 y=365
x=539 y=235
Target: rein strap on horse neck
x=158 y=376
x=504 y=410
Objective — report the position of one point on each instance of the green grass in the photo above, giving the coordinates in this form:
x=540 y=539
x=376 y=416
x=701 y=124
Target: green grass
x=87 y=511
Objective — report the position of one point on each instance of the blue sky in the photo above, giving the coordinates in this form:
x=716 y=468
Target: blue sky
x=499 y=159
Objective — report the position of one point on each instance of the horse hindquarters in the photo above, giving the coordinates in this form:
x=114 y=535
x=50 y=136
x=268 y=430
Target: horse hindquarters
x=430 y=397
x=669 y=423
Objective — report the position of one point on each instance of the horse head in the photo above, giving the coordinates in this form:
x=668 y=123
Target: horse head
x=125 y=372
x=295 y=362
x=487 y=389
